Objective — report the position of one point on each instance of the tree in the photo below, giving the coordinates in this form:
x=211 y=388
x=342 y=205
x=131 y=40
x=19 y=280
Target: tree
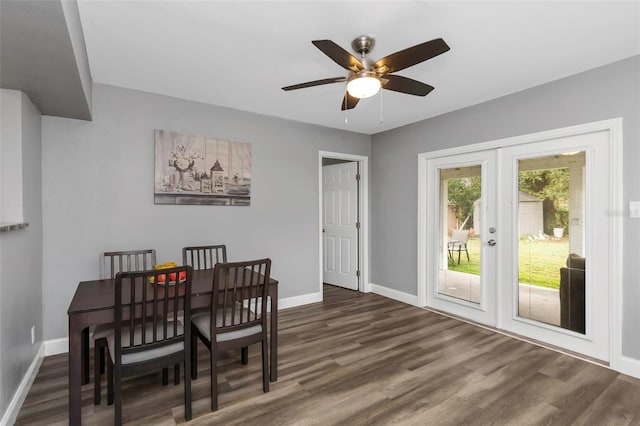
x=462 y=193
x=552 y=186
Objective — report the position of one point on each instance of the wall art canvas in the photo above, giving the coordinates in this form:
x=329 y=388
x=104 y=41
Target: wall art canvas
x=201 y=170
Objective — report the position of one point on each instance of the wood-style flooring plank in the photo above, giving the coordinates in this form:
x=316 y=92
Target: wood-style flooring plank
x=362 y=359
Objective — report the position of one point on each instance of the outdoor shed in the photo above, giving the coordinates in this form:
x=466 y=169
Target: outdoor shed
x=530 y=216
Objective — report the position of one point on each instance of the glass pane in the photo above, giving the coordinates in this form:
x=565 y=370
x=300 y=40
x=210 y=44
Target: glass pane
x=460 y=249
x=551 y=270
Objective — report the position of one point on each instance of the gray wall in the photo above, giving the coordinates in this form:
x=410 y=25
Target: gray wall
x=42 y=53
x=21 y=262
x=98 y=192
x=603 y=93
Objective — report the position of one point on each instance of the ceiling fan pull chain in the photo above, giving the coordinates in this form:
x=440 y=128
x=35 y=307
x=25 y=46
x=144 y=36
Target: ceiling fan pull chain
x=344 y=100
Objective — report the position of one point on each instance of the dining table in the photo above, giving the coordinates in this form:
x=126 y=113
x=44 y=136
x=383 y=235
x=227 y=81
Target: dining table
x=93 y=303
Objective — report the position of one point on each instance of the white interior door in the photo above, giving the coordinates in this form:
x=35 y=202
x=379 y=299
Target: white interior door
x=340 y=224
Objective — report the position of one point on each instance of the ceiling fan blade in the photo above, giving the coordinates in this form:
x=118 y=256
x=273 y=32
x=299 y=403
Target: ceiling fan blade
x=340 y=56
x=406 y=85
x=315 y=83
x=349 y=102
x=413 y=55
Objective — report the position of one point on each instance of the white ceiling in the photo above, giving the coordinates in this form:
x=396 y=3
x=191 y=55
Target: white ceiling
x=239 y=54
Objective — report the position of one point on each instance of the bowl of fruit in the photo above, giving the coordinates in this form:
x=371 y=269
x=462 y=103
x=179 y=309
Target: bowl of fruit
x=162 y=278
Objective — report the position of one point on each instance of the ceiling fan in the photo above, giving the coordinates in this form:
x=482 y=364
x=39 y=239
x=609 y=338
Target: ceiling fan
x=367 y=78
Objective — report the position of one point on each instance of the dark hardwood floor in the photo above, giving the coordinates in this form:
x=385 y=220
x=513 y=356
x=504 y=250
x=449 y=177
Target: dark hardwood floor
x=362 y=359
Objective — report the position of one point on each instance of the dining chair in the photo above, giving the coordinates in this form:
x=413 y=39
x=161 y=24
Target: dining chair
x=238 y=316
x=204 y=257
x=147 y=334
x=110 y=264
x=458 y=242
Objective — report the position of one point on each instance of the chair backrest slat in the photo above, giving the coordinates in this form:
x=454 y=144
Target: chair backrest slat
x=204 y=257
x=239 y=294
x=113 y=262
x=143 y=302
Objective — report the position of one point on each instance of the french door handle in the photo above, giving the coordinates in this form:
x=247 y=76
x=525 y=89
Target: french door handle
x=491 y=242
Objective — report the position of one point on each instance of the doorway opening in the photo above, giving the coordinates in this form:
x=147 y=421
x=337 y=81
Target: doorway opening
x=343 y=220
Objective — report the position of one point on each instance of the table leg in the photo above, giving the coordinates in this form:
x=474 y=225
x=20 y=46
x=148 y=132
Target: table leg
x=75 y=370
x=274 y=335
x=85 y=356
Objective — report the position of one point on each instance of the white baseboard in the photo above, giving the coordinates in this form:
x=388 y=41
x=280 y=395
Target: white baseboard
x=11 y=414
x=394 y=294
x=56 y=346
x=305 y=299
x=628 y=366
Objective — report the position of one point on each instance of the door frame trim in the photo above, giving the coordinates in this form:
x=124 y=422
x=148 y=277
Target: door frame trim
x=363 y=253
x=614 y=129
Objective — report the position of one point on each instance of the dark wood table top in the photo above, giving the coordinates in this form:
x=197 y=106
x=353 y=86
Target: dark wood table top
x=99 y=295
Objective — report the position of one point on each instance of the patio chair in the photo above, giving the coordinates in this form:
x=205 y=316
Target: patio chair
x=458 y=243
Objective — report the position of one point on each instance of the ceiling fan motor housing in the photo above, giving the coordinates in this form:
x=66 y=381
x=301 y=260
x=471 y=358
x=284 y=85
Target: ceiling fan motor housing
x=363 y=45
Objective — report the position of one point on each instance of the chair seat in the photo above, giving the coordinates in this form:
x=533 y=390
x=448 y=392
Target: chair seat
x=200 y=313
x=149 y=353
x=203 y=323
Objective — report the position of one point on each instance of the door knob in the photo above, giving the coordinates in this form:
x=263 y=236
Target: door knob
x=491 y=242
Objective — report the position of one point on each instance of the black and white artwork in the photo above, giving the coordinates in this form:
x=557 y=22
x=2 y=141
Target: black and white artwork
x=201 y=170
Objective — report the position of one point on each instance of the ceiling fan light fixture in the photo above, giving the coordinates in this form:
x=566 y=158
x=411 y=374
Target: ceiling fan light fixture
x=366 y=77
x=363 y=85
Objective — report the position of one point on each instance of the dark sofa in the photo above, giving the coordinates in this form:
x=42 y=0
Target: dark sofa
x=572 y=285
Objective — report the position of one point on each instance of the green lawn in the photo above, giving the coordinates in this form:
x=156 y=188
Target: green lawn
x=539 y=261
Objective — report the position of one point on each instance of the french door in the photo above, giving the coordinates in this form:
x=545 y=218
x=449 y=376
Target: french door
x=463 y=278
x=517 y=238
